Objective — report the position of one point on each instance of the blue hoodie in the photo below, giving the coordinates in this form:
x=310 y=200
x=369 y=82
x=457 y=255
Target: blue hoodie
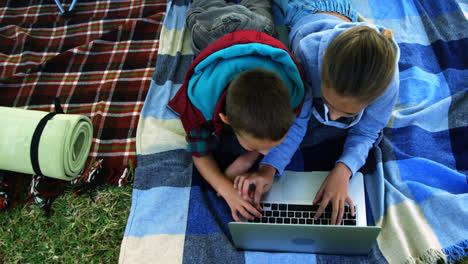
x=308 y=39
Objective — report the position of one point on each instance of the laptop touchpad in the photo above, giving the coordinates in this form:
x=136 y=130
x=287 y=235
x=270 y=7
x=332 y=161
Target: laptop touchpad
x=302 y=186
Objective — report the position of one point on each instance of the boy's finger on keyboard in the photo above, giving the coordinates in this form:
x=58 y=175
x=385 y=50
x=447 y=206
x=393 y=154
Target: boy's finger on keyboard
x=244 y=212
x=259 y=207
x=234 y=216
x=253 y=211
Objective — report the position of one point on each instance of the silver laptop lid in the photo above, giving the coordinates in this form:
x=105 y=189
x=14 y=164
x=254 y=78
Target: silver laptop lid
x=347 y=240
x=300 y=187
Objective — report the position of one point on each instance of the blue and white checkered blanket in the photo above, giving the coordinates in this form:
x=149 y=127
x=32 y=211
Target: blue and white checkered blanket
x=416 y=176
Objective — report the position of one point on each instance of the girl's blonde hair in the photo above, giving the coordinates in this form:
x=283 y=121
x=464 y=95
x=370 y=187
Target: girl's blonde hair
x=359 y=63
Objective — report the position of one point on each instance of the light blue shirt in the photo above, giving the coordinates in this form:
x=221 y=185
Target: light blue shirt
x=308 y=40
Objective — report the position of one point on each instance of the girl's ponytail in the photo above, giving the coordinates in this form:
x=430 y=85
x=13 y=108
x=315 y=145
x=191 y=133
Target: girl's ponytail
x=388 y=34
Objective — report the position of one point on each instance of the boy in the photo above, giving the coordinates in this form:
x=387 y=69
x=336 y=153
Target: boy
x=246 y=81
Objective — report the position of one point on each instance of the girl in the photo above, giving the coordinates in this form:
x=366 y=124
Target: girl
x=352 y=80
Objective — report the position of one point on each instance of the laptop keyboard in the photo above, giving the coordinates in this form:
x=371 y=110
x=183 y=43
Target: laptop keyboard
x=302 y=214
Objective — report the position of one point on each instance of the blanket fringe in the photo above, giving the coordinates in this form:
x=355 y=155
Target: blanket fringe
x=430 y=256
x=89 y=174
x=457 y=251
x=127 y=175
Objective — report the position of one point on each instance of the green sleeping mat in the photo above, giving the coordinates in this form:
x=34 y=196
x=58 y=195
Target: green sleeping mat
x=43 y=143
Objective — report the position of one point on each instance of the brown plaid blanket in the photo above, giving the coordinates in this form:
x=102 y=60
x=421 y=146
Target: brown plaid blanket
x=99 y=62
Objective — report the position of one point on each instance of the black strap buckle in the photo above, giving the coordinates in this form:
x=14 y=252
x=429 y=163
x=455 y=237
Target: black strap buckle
x=34 y=150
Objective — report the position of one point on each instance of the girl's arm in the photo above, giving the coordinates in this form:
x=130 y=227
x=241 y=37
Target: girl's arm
x=362 y=136
x=280 y=156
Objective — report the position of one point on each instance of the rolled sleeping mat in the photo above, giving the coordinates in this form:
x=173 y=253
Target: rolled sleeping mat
x=44 y=143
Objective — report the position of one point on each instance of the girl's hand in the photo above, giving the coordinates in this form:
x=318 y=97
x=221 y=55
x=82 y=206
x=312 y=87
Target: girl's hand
x=335 y=188
x=241 y=165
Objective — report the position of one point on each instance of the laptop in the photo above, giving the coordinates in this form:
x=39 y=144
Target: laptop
x=288 y=225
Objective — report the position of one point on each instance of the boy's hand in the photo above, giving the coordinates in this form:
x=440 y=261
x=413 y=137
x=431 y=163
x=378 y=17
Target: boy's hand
x=239 y=205
x=260 y=180
x=335 y=188
x=209 y=170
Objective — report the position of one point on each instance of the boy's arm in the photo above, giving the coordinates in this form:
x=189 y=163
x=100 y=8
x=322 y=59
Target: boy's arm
x=280 y=156
x=209 y=170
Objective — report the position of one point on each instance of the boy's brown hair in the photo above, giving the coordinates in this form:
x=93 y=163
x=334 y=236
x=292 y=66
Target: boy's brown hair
x=258 y=104
x=359 y=63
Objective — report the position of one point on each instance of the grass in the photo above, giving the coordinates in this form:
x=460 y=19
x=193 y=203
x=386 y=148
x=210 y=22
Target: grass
x=82 y=229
